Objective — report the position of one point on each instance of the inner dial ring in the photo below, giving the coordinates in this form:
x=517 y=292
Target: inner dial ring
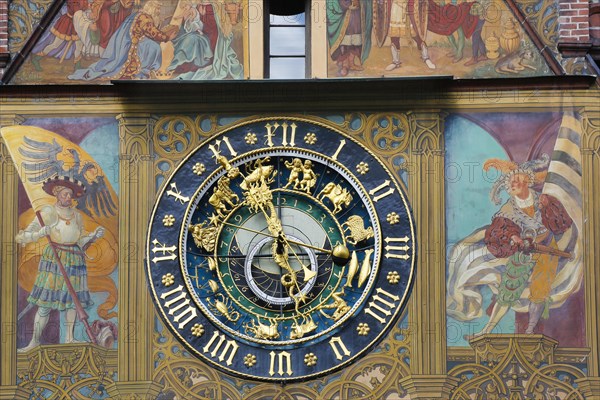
x=249 y=266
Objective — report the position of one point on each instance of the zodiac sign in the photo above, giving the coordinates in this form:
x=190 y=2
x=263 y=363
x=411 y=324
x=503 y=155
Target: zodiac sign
x=358 y=233
x=339 y=304
x=232 y=172
x=212 y=264
x=352 y=269
x=221 y=307
x=309 y=178
x=257 y=193
x=261 y=174
x=365 y=268
x=204 y=238
x=296 y=167
x=262 y=331
x=299 y=330
x=223 y=194
x=337 y=195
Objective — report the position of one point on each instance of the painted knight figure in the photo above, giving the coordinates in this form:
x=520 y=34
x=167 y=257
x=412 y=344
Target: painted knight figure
x=528 y=260
x=67 y=241
x=526 y=231
x=62 y=224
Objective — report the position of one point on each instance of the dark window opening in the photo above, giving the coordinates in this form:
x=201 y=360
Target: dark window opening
x=286 y=39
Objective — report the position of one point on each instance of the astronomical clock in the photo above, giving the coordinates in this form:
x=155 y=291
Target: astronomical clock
x=280 y=249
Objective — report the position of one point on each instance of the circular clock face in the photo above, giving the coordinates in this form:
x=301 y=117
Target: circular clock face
x=280 y=250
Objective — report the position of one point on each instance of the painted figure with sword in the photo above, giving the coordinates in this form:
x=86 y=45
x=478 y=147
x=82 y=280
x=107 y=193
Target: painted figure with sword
x=61 y=282
x=525 y=230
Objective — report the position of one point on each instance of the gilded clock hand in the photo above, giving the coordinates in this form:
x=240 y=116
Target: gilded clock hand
x=308 y=274
x=258 y=196
x=340 y=253
x=290 y=241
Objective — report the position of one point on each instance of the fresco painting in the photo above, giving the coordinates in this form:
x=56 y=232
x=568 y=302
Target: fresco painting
x=515 y=265
x=68 y=231
x=102 y=40
x=479 y=39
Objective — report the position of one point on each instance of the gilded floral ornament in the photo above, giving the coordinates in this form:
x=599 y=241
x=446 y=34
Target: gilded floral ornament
x=168 y=279
x=393 y=218
x=393 y=277
x=310 y=360
x=362 y=168
x=251 y=138
x=198 y=169
x=363 y=329
x=310 y=138
x=197 y=330
x=249 y=360
x=168 y=220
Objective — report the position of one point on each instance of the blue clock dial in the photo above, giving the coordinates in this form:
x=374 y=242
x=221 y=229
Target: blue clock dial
x=280 y=250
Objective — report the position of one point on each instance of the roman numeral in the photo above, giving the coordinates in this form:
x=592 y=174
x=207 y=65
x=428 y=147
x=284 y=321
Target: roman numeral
x=380 y=307
x=179 y=306
x=401 y=251
x=272 y=129
x=168 y=252
x=339 y=348
x=216 y=148
x=231 y=348
x=382 y=192
x=177 y=194
x=279 y=359
x=337 y=152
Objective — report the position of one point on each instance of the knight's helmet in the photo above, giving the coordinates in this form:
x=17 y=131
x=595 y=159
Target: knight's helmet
x=535 y=169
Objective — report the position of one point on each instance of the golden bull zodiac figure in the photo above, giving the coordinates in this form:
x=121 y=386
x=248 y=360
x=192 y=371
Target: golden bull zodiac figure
x=337 y=195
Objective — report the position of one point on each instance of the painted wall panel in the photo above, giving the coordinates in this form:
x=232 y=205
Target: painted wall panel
x=455 y=188
x=474 y=186
x=95 y=42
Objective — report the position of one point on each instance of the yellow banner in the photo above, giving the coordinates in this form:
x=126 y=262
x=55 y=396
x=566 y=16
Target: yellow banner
x=38 y=155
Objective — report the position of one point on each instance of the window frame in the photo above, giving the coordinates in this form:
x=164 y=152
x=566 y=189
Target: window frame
x=283 y=5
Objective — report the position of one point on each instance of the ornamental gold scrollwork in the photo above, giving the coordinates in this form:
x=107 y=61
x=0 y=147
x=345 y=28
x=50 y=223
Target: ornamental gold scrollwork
x=24 y=16
x=515 y=367
x=575 y=65
x=543 y=14
x=174 y=136
x=207 y=125
x=75 y=371
x=386 y=133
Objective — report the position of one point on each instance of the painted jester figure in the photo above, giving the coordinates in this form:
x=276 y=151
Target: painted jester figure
x=63 y=225
x=526 y=230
